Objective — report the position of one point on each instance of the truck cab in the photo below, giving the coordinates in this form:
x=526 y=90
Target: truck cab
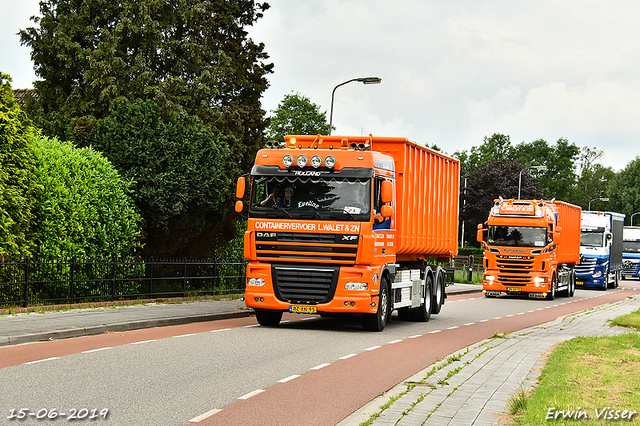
x=600 y=250
x=531 y=247
x=631 y=252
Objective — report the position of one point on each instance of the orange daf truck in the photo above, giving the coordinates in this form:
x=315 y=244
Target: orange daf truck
x=530 y=247
x=345 y=225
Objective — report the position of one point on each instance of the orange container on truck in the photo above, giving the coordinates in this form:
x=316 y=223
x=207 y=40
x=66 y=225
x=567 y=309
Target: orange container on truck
x=345 y=225
x=530 y=247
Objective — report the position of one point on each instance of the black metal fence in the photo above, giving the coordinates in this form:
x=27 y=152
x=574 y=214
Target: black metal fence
x=25 y=282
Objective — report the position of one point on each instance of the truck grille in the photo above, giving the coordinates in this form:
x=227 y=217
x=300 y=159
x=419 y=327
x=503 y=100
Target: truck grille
x=307 y=247
x=586 y=267
x=514 y=270
x=305 y=285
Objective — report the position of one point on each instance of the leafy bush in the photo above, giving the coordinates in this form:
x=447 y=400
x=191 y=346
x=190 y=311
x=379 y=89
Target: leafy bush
x=83 y=206
x=16 y=174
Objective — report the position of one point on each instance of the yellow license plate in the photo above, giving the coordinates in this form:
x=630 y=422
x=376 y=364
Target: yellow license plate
x=579 y=282
x=514 y=289
x=303 y=309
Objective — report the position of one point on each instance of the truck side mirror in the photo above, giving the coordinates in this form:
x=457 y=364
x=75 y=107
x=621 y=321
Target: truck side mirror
x=386 y=192
x=480 y=233
x=240 y=187
x=386 y=210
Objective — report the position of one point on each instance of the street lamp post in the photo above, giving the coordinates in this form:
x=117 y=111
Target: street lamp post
x=364 y=80
x=538 y=168
x=598 y=199
x=633 y=216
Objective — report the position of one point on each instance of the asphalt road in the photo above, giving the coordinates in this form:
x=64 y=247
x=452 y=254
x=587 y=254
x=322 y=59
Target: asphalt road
x=309 y=370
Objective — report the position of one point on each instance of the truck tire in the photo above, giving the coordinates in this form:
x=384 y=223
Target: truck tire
x=423 y=312
x=439 y=292
x=572 y=284
x=605 y=282
x=377 y=321
x=552 y=293
x=268 y=318
x=611 y=284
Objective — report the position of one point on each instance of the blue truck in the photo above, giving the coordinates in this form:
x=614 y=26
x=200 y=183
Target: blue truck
x=631 y=252
x=600 y=250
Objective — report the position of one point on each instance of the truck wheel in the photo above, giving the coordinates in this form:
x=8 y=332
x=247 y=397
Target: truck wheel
x=438 y=293
x=423 y=312
x=377 y=321
x=268 y=318
x=572 y=283
x=552 y=293
x=605 y=282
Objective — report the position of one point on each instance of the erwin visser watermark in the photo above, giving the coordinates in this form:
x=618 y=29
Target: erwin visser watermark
x=606 y=413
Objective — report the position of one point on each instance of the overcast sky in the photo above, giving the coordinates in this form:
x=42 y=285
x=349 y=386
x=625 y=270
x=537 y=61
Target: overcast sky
x=452 y=72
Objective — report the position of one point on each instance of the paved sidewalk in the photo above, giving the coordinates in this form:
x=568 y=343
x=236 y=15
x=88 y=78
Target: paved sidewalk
x=33 y=327
x=472 y=387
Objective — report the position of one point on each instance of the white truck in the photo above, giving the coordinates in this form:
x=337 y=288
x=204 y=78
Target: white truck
x=600 y=250
x=631 y=252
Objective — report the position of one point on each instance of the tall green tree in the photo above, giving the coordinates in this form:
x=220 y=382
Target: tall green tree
x=594 y=178
x=179 y=168
x=624 y=191
x=297 y=115
x=17 y=163
x=559 y=180
x=190 y=57
x=494 y=148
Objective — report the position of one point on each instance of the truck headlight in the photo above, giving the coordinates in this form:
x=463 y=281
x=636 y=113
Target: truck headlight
x=539 y=279
x=316 y=161
x=330 y=161
x=489 y=278
x=287 y=160
x=258 y=282
x=597 y=274
x=356 y=286
x=301 y=160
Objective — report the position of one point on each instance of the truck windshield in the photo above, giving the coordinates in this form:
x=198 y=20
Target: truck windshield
x=631 y=246
x=311 y=198
x=521 y=236
x=590 y=238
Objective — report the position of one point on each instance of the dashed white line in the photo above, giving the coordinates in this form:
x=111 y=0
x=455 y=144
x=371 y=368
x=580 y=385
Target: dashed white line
x=250 y=394
x=96 y=350
x=201 y=417
x=394 y=341
x=485 y=320
x=434 y=332
x=348 y=356
x=453 y=328
x=184 y=335
x=285 y=380
x=144 y=341
x=372 y=348
x=42 y=360
x=252 y=325
x=415 y=335
x=318 y=367
x=470 y=323
x=222 y=329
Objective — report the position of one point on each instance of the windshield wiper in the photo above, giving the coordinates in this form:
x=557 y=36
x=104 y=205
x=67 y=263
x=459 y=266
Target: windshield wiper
x=315 y=212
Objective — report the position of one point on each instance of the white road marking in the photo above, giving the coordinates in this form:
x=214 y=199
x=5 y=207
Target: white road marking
x=201 y=417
